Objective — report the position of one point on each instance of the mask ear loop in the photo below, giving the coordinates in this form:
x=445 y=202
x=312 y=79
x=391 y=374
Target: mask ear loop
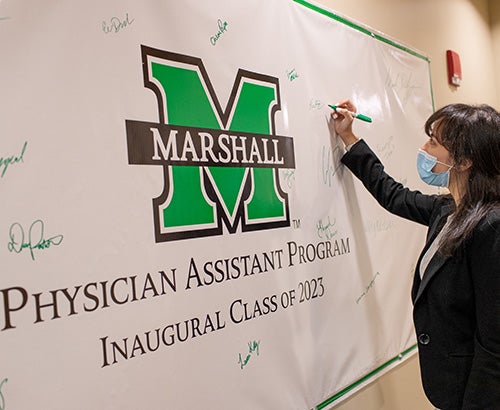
x=442 y=163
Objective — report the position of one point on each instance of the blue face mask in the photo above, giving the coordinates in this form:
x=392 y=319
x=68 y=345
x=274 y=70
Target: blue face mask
x=425 y=163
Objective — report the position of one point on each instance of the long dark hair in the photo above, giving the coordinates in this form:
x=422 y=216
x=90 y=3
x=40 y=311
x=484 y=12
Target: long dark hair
x=471 y=133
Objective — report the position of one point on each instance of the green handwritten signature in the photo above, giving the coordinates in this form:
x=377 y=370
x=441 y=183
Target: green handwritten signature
x=5 y=162
x=326 y=230
x=222 y=26
x=403 y=83
x=292 y=74
x=316 y=104
x=289 y=176
x=2 y=399
x=35 y=238
x=330 y=163
x=252 y=347
x=365 y=292
x=115 y=24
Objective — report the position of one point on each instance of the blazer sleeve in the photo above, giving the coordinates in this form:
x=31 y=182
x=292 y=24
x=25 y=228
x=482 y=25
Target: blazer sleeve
x=483 y=386
x=392 y=195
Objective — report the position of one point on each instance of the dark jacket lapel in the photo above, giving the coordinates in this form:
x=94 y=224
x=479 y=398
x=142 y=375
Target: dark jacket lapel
x=437 y=260
x=435 y=264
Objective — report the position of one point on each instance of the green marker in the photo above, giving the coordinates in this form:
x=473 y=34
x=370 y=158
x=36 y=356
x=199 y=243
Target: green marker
x=355 y=115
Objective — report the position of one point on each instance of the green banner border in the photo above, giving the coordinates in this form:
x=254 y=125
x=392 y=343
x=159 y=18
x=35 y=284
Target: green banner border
x=364 y=379
x=362 y=29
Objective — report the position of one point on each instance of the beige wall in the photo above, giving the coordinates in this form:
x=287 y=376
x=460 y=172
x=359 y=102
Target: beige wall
x=495 y=31
x=472 y=29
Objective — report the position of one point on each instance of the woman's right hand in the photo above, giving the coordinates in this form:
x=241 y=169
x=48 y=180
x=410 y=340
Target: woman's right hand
x=342 y=121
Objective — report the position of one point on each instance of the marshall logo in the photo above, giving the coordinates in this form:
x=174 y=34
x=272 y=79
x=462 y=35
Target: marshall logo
x=220 y=167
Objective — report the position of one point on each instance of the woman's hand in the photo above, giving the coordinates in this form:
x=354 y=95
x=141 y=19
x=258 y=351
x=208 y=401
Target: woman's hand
x=342 y=121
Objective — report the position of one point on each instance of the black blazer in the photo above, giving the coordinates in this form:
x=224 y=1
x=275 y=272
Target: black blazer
x=456 y=306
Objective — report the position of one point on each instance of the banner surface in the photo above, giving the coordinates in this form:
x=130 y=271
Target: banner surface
x=176 y=229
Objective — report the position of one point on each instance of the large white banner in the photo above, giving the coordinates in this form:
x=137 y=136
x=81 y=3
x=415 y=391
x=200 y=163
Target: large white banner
x=176 y=229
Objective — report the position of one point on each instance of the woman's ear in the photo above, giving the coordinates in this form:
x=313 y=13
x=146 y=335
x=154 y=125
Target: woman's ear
x=465 y=165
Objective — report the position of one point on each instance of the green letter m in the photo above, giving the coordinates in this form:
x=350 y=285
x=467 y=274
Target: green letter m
x=198 y=200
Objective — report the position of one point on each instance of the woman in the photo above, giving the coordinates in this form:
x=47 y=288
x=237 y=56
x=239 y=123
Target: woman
x=456 y=288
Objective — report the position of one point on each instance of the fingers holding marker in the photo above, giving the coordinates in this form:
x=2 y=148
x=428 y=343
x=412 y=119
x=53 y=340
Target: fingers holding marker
x=345 y=113
x=347 y=110
x=347 y=105
x=341 y=114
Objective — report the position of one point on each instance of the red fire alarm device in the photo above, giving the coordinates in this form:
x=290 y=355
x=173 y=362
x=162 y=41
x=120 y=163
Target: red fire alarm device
x=454 y=68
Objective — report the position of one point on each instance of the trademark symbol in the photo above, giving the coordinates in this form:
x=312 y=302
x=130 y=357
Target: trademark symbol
x=296 y=223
